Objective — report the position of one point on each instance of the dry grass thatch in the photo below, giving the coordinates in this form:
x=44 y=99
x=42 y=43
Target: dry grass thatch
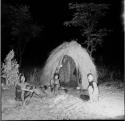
x=82 y=59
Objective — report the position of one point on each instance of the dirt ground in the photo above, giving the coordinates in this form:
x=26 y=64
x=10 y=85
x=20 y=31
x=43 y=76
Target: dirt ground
x=66 y=106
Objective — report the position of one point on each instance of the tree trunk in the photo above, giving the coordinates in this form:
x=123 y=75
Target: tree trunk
x=21 y=48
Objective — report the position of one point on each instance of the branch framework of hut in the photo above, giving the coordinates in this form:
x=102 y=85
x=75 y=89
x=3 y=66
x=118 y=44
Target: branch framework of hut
x=72 y=62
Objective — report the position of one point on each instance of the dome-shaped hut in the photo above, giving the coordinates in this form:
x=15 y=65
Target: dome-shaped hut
x=72 y=62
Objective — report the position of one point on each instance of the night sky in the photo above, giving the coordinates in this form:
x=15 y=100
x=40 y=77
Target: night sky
x=52 y=13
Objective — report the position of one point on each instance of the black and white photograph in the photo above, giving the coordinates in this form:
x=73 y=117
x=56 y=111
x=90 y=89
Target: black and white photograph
x=62 y=59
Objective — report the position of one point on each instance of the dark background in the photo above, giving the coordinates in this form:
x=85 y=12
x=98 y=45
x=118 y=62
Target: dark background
x=52 y=13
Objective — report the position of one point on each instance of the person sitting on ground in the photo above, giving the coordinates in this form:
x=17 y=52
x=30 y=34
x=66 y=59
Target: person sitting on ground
x=92 y=88
x=18 y=88
x=21 y=91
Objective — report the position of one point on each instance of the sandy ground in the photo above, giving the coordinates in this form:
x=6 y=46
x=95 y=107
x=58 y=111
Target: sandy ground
x=66 y=106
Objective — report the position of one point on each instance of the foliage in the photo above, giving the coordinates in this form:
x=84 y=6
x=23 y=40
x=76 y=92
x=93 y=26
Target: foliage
x=106 y=74
x=33 y=76
x=10 y=70
x=23 y=22
x=21 y=27
x=87 y=16
x=103 y=74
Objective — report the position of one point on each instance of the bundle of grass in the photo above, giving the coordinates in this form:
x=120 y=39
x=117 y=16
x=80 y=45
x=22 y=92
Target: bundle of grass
x=83 y=61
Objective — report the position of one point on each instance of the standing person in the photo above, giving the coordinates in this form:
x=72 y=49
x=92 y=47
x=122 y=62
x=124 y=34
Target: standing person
x=23 y=86
x=56 y=83
x=92 y=88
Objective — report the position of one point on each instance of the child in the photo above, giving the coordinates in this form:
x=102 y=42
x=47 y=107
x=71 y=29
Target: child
x=92 y=88
x=56 y=83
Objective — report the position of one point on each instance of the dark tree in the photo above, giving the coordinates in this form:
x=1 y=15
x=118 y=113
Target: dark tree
x=21 y=27
x=86 y=17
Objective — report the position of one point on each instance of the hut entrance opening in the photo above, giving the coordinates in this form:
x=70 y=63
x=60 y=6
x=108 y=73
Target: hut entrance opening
x=68 y=74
